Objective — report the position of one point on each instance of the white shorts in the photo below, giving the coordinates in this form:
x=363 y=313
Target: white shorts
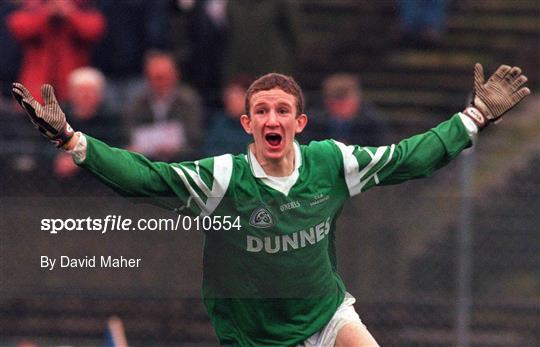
x=344 y=315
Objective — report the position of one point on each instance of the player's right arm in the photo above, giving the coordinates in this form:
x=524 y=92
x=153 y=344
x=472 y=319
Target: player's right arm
x=194 y=187
x=199 y=185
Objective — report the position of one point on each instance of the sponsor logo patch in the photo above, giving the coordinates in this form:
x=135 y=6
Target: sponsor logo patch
x=261 y=218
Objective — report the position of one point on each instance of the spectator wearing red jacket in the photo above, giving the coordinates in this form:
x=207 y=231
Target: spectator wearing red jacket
x=56 y=37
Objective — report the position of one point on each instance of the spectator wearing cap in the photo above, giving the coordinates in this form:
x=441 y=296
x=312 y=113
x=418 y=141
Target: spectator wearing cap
x=347 y=116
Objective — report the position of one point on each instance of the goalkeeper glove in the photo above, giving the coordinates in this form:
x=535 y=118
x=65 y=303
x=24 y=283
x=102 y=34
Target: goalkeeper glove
x=502 y=91
x=49 y=118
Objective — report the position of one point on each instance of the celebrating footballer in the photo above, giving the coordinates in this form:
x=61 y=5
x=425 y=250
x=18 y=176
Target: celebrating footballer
x=274 y=282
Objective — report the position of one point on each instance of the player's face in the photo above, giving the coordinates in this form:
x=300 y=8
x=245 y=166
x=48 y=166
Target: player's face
x=273 y=122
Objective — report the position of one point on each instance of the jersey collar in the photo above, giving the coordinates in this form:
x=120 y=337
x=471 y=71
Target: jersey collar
x=258 y=171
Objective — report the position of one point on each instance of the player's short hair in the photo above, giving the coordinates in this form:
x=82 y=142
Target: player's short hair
x=85 y=75
x=276 y=80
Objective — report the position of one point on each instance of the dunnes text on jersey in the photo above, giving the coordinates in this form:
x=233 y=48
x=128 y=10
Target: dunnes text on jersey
x=284 y=243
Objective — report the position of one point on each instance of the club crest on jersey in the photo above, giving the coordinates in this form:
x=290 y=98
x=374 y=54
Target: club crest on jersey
x=261 y=218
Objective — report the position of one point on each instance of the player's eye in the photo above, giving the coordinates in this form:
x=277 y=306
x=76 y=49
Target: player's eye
x=260 y=111
x=283 y=111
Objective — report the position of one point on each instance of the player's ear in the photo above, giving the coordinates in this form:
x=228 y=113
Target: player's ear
x=301 y=122
x=246 y=123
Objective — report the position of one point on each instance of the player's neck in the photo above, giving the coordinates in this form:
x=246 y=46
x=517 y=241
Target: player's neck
x=278 y=167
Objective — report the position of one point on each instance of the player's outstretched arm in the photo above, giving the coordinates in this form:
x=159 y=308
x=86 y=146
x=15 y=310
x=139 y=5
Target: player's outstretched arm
x=126 y=172
x=422 y=154
x=130 y=174
x=494 y=97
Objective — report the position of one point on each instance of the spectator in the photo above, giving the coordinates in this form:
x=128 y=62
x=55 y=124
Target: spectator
x=268 y=30
x=205 y=32
x=165 y=119
x=225 y=134
x=422 y=21
x=56 y=38
x=347 y=116
x=86 y=108
x=133 y=27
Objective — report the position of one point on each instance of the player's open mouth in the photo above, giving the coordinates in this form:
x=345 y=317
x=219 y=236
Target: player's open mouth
x=273 y=139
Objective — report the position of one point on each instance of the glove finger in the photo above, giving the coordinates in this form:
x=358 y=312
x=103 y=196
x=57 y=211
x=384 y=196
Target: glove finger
x=478 y=75
x=22 y=89
x=500 y=73
x=55 y=116
x=19 y=92
x=520 y=94
x=47 y=92
x=512 y=74
x=518 y=82
x=17 y=95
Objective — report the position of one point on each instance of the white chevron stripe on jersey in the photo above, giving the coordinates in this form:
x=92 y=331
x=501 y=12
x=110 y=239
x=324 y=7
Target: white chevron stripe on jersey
x=222 y=173
x=374 y=160
x=350 y=165
x=354 y=177
x=374 y=175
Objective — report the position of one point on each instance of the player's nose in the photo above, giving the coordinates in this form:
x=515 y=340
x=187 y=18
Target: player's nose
x=272 y=118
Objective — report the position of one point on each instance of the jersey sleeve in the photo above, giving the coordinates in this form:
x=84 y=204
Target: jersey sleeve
x=414 y=157
x=195 y=188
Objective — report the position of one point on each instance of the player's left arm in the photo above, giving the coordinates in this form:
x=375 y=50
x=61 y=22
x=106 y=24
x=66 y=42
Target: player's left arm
x=420 y=155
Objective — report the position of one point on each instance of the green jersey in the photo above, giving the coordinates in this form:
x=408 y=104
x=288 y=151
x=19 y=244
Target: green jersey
x=274 y=281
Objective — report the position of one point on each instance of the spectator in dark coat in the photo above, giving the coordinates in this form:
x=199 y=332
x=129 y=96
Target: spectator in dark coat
x=133 y=27
x=347 y=116
x=225 y=135
x=165 y=121
x=268 y=30
x=206 y=26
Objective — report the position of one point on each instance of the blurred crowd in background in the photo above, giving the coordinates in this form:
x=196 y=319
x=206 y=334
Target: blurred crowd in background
x=167 y=78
